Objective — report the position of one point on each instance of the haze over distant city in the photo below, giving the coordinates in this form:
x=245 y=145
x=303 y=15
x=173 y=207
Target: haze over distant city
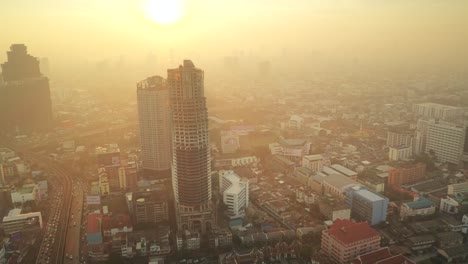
x=233 y=132
x=404 y=34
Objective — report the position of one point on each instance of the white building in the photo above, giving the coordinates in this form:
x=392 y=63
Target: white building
x=400 y=138
x=313 y=162
x=154 y=119
x=446 y=140
x=235 y=193
x=438 y=111
x=422 y=207
x=400 y=153
x=293 y=149
x=16 y=221
x=454 y=189
x=296 y=122
x=449 y=205
x=29 y=192
x=236 y=161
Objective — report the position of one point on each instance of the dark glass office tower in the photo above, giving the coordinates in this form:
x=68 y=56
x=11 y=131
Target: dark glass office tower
x=25 y=104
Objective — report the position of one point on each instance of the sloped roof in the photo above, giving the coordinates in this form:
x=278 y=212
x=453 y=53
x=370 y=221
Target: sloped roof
x=349 y=232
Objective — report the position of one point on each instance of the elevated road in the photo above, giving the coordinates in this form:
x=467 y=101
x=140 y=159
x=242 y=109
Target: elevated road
x=56 y=251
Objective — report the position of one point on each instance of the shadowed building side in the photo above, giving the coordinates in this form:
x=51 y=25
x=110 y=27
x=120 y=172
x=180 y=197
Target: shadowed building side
x=190 y=149
x=155 y=128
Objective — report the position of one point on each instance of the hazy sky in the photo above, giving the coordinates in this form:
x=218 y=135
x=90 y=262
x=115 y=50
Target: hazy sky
x=404 y=31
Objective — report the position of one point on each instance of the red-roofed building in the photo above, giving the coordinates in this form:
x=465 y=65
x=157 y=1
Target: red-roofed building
x=345 y=240
x=98 y=248
x=381 y=256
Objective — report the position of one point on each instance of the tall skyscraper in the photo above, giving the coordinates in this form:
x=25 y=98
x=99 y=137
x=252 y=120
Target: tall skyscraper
x=25 y=104
x=190 y=149
x=155 y=129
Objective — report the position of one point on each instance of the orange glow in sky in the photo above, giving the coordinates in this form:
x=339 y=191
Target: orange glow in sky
x=164 y=12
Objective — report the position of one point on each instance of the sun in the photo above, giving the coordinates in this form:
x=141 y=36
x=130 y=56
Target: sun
x=164 y=12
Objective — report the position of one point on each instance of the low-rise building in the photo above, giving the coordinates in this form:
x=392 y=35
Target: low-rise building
x=334 y=209
x=314 y=162
x=381 y=256
x=422 y=242
x=454 y=189
x=449 y=239
x=421 y=207
x=17 y=221
x=220 y=238
x=306 y=196
x=28 y=192
x=293 y=149
x=345 y=240
x=345 y=171
x=336 y=184
x=192 y=240
x=303 y=175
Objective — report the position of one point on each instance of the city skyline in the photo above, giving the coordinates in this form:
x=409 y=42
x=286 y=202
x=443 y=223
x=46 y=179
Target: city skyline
x=234 y=132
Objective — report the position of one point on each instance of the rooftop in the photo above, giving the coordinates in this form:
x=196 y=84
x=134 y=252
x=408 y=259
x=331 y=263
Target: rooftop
x=109 y=148
x=438 y=105
x=421 y=203
x=14 y=212
x=349 y=232
x=339 y=180
x=371 y=196
x=344 y=170
x=373 y=257
x=328 y=170
x=293 y=142
x=313 y=157
x=94 y=223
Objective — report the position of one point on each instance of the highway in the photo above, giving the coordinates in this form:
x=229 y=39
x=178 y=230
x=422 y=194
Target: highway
x=52 y=249
x=72 y=245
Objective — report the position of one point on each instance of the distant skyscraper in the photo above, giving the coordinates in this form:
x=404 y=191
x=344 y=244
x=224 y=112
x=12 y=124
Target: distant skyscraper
x=446 y=140
x=155 y=129
x=191 y=149
x=25 y=104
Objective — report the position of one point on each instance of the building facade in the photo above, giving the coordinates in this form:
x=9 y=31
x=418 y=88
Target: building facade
x=155 y=128
x=235 y=193
x=25 y=104
x=421 y=207
x=313 y=162
x=406 y=173
x=446 y=141
x=400 y=153
x=400 y=138
x=454 y=189
x=191 y=163
x=345 y=240
x=366 y=205
x=150 y=207
x=437 y=111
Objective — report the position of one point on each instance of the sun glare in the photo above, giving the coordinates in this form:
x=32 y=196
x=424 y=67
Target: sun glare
x=164 y=12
